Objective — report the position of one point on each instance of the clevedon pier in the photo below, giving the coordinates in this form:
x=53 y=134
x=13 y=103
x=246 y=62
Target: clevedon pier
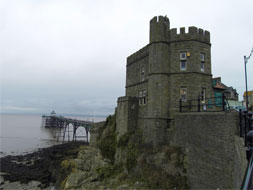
x=67 y=129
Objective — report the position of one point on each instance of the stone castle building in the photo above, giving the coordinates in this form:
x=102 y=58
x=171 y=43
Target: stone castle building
x=173 y=65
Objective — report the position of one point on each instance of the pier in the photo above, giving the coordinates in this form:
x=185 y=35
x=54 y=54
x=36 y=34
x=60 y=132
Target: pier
x=67 y=129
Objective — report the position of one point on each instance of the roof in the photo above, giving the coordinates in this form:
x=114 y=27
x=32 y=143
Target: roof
x=219 y=86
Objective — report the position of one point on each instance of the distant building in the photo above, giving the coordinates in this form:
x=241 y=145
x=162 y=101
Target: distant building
x=218 y=86
x=229 y=92
x=250 y=99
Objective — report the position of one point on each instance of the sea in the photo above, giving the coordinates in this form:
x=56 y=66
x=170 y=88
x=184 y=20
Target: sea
x=24 y=133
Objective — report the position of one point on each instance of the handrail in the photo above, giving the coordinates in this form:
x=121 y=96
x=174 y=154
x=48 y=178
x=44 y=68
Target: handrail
x=246 y=132
x=219 y=103
x=248 y=178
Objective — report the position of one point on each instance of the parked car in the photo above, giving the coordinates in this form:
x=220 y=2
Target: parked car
x=238 y=108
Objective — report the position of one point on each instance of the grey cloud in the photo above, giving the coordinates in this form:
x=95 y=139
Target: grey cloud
x=71 y=55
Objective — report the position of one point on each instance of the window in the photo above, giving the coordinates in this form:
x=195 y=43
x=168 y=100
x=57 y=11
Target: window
x=202 y=66
x=183 y=94
x=142 y=97
x=203 y=95
x=183 y=65
x=142 y=73
x=202 y=62
x=182 y=55
x=202 y=57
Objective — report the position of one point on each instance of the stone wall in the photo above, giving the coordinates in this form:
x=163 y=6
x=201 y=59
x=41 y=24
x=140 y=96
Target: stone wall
x=133 y=71
x=126 y=115
x=189 y=81
x=94 y=132
x=215 y=158
x=154 y=131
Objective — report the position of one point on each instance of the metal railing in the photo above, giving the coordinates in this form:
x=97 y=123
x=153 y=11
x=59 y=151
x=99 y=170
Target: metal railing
x=218 y=103
x=246 y=132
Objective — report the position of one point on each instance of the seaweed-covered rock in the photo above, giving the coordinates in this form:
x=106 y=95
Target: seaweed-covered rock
x=46 y=166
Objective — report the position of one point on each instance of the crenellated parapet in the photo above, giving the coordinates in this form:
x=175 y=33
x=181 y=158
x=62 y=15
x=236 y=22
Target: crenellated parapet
x=159 y=27
x=140 y=54
x=160 y=32
x=194 y=33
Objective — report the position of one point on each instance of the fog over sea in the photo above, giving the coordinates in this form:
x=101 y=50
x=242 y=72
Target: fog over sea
x=23 y=133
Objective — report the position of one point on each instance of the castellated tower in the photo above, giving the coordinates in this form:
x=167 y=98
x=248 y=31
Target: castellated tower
x=173 y=66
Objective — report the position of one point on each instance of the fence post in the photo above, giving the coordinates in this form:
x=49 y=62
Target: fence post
x=249 y=121
x=180 y=105
x=245 y=127
x=240 y=122
x=223 y=102
x=199 y=104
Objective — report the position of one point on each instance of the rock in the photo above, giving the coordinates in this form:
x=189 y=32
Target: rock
x=42 y=166
x=76 y=179
x=122 y=187
x=88 y=165
x=125 y=163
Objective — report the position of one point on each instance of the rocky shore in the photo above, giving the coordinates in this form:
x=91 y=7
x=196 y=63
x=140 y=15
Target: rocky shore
x=111 y=161
x=124 y=162
x=38 y=170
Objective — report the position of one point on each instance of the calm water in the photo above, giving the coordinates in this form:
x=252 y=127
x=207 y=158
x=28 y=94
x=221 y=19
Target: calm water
x=23 y=133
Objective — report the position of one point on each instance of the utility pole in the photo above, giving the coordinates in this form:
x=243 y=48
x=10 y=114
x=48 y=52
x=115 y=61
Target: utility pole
x=245 y=66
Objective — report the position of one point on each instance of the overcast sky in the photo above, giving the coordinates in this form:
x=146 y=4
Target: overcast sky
x=70 y=55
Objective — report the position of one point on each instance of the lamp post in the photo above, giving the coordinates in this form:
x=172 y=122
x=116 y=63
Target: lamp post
x=245 y=66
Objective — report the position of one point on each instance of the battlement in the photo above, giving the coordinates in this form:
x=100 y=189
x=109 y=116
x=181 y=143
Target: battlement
x=159 y=19
x=143 y=52
x=159 y=27
x=194 y=33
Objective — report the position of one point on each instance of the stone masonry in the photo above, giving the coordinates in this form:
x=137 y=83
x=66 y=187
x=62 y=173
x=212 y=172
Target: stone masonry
x=173 y=66
x=156 y=77
x=215 y=156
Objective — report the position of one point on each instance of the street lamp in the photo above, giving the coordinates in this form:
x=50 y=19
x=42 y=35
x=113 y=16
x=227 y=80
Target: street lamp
x=245 y=66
